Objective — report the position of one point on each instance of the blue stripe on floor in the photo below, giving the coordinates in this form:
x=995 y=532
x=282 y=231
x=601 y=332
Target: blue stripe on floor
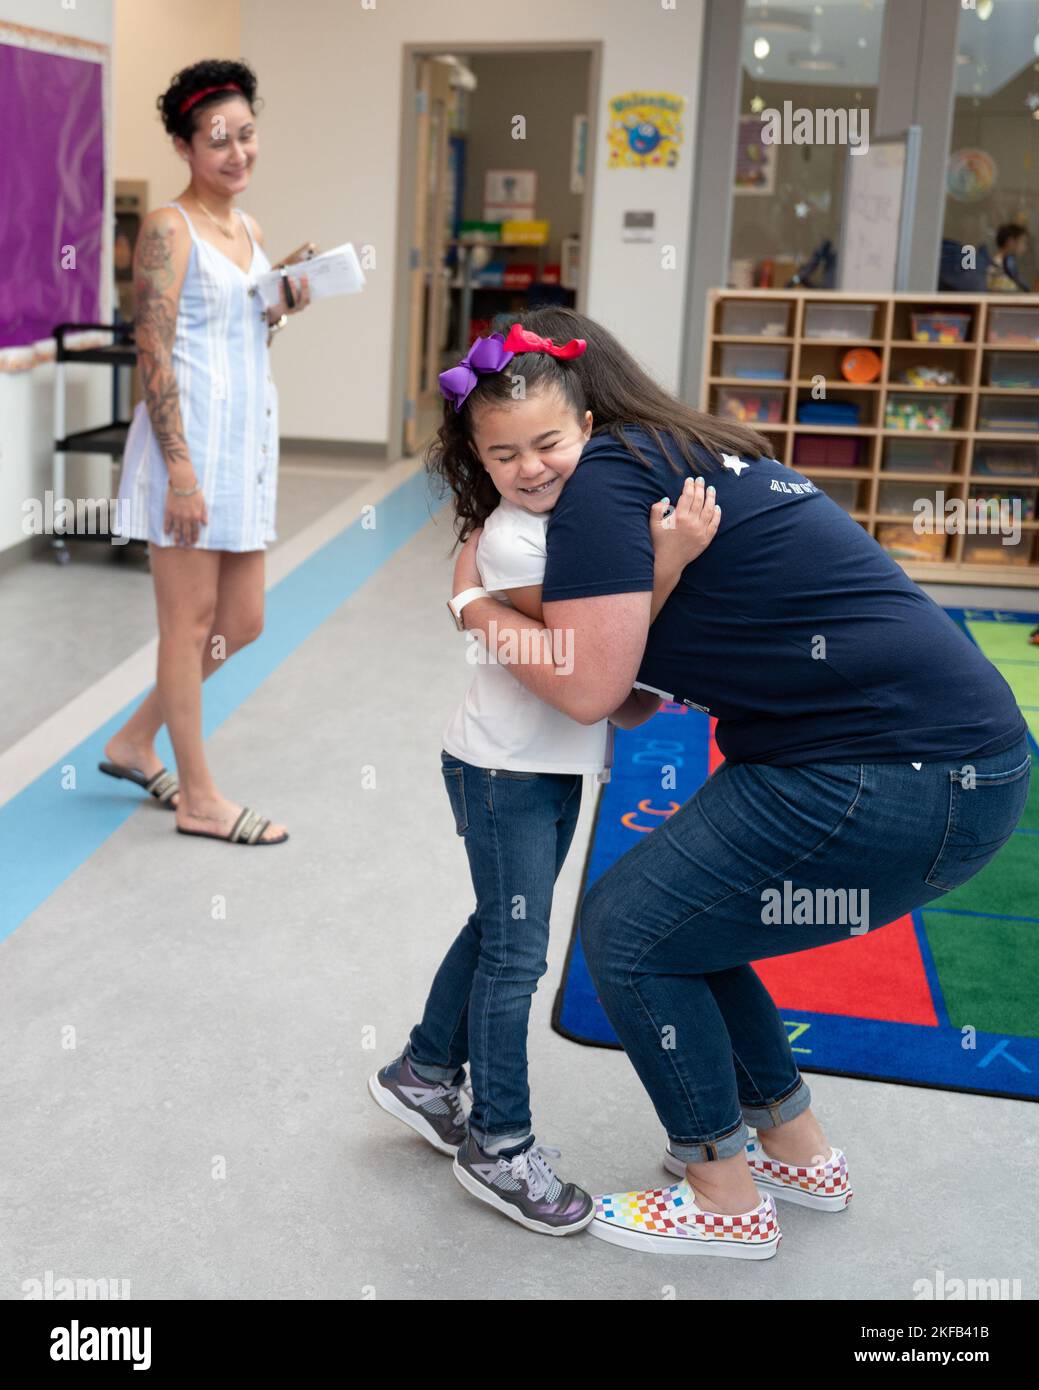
x=55 y=823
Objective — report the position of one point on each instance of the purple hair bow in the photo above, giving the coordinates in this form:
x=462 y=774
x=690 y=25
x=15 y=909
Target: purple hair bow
x=486 y=355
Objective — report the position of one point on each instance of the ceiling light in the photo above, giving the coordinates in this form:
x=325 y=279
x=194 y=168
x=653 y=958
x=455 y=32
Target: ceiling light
x=762 y=48
x=778 y=20
x=810 y=63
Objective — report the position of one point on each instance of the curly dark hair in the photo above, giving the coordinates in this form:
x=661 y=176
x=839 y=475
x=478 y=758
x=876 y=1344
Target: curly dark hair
x=210 y=72
x=605 y=380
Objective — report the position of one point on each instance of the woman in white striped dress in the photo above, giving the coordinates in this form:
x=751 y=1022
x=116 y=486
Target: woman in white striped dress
x=200 y=467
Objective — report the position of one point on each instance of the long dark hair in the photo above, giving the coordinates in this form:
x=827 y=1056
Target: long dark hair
x=605 y=380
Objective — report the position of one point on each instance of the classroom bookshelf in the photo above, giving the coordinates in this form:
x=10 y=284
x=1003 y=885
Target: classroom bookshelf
x=922 y=398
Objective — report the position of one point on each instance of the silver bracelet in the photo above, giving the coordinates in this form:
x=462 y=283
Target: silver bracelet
x=185 y=491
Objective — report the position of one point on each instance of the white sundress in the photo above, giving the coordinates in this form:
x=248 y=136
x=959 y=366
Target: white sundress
x=228 y=403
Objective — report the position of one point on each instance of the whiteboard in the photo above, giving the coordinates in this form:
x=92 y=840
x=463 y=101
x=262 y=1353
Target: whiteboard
x=879 y=191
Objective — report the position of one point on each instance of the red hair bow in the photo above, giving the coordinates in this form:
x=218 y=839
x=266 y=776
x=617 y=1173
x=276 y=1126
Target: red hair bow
x=522 y=340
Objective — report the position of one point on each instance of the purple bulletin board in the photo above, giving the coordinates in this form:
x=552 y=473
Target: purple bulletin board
x=52 y=191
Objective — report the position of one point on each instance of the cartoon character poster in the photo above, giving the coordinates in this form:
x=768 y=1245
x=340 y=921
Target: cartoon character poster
x=645 y=130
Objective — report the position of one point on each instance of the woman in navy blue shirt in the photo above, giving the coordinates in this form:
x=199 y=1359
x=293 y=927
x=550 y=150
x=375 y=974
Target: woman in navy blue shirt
x=874 y=760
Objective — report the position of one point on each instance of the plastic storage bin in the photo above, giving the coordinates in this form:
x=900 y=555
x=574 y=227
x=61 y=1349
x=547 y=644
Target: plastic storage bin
x=940 y=327
x=744 y=318
x=1020 y=500
x=990 y=550
x=919 y=456
x=1019 y=370
x=903 y=543
x=1017 y=325
x=747 y=359
x=1011 y=414
x=762 y=407
x=922 y=412
x=844 y=491
x=1005 y=461
x=827 y=451
x=900 y=499
x=844 y=321
x=834 y=413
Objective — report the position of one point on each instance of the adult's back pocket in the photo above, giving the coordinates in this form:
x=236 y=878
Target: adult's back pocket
x=984 y=808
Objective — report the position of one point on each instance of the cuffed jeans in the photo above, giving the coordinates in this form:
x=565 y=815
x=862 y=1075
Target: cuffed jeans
x=764 y=861
x=517 y=828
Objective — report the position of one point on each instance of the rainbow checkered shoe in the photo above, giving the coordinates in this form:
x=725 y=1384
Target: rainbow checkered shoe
x=824 y=1186
x=666 y=1221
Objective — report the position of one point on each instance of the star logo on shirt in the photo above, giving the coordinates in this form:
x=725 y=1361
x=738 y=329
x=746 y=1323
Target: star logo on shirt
x=735 y=463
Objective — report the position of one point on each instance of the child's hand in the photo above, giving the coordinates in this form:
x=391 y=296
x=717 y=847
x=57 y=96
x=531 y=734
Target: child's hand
x=679 y=538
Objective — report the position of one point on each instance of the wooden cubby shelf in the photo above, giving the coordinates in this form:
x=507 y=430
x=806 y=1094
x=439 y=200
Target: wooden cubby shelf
x=762 y=361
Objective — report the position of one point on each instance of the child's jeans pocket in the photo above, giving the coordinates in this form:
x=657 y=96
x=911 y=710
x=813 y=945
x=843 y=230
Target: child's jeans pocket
x=455 y=784
x=984 y=808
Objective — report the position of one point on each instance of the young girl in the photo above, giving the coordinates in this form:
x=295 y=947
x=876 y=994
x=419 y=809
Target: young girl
x=513 y=768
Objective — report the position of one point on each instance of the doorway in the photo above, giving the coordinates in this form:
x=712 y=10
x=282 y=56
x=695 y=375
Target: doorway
x=495 y=204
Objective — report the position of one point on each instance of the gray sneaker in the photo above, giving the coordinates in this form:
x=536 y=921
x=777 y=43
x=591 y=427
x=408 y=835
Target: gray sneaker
x=431 y=1109
x=524 y=1188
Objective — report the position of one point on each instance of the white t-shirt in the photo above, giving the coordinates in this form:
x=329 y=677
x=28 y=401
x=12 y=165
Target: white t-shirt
x=501 y=723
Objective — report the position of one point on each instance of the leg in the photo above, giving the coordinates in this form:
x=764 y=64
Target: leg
x=685 y=904
x=513 y=856
x=191 y=587
x=788 y=1129
x=439 y=1044
x=238 y=620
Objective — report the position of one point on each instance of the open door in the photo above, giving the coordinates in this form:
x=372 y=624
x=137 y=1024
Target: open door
x=428 y=239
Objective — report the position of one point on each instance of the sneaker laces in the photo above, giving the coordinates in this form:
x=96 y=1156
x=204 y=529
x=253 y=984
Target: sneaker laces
x=531 y=1167
x=454 y=1100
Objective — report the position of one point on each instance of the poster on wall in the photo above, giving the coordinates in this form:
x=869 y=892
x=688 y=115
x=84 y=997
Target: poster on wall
x=645 y=130
x=755 y=161
x=509 y=195
x=970 y=175
x=55 y=207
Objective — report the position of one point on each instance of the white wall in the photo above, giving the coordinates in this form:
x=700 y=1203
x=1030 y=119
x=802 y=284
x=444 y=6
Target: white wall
x=331 y=72
x=26 y=398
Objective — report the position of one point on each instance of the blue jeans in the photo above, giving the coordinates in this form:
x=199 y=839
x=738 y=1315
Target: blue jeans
x=669 y=929
x=517 y=828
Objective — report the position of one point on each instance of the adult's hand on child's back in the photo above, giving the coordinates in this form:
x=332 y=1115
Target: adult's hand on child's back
x=686 y=532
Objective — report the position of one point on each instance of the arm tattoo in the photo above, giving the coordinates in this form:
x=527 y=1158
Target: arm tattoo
x=156 y=325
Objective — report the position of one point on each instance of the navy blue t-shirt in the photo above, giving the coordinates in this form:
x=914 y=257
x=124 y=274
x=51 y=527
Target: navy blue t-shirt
x=794 y=627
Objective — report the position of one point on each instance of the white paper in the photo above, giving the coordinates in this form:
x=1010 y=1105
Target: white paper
x=334 y=272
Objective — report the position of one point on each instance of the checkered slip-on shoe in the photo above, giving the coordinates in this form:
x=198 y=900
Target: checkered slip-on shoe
x=667 y=1221
x=433 y=1110
x=825 y=1187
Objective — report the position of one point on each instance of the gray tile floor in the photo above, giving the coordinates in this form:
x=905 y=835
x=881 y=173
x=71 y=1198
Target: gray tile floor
x=210 y=1135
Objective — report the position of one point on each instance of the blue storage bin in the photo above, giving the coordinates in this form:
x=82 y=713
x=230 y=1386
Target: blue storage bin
x=827 y=413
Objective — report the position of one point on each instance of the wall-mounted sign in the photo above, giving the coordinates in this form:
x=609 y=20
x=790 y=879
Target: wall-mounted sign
x=509 y=193
x=638 y=226
x=645 y=130
x=755 y=161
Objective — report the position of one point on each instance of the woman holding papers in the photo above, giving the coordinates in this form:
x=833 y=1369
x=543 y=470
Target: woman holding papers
x=200 y=468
